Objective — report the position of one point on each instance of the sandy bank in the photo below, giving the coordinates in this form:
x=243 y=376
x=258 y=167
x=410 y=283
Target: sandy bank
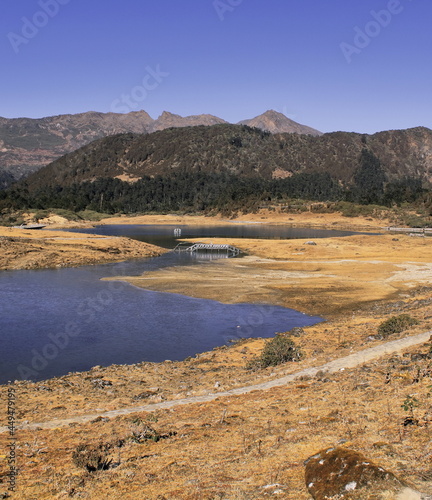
x=27 y=249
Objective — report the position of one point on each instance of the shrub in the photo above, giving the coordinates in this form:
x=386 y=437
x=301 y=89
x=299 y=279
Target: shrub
x=92 y=215
x=92 y=458
x=396 y=324
x=146 y=434
x=278 y=350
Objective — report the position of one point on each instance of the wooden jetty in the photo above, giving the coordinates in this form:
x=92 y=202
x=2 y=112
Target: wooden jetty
x=414 y=231
x=208 y=247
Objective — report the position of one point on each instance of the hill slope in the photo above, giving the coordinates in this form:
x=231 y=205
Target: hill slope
x=243 y=151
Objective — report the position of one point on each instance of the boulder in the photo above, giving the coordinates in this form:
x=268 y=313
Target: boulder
x=339 y=473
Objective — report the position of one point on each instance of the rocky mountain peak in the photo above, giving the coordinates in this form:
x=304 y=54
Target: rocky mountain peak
x=277 y=123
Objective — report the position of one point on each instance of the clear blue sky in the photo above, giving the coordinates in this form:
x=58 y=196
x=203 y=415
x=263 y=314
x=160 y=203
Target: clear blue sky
x=234 y=59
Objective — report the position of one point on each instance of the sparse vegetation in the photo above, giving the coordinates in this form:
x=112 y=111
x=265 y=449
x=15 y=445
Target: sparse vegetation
x=409 y=403
x=396 y=324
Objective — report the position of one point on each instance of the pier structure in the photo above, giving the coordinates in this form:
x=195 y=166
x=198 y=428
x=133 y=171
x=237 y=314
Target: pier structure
x=412 y=231
x=208 y=247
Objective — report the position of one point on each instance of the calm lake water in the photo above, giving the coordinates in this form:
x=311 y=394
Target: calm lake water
x=163 y=235
x=53 y=322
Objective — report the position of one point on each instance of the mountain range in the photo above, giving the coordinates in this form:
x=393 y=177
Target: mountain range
x=27 y=144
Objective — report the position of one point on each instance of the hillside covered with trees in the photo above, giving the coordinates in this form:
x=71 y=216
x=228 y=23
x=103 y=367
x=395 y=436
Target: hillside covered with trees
x=230 y=167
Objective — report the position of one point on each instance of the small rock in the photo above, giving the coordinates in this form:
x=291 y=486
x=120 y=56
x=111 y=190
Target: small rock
x=340 y=473
x=418 y=356
x=100 y=383
x=362 y=385
x=144 y=395
x=99 y=419
x=310 y=243
x=297 y=331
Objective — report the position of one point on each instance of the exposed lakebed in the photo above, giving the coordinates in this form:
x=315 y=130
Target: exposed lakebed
x=56 y=321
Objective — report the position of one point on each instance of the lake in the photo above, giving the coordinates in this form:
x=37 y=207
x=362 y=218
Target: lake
x=57 y=321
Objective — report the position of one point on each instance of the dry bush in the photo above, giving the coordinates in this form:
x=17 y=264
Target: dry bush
x=92 y=458
x=396 y=324
x=278 y=350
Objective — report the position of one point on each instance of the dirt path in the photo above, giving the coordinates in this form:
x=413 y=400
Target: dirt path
x=346 y=362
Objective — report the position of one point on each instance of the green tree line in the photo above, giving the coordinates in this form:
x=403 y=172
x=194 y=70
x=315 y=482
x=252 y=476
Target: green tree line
x=206 y=192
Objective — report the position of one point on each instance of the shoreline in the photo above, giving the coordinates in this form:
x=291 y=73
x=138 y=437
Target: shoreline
x=304 y=219
x=27 y=249
x=329 y=278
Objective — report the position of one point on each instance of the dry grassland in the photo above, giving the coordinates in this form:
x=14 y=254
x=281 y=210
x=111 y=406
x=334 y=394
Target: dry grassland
x=249 y=446
x=29 y=249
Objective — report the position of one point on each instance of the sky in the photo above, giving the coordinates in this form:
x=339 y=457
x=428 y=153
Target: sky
x=361 y=66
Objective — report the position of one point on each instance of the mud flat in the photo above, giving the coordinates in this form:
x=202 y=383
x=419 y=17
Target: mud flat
x=332 y=276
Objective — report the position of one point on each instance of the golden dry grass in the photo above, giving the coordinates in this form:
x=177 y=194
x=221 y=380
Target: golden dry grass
x=251 y=446
x=29 y=249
